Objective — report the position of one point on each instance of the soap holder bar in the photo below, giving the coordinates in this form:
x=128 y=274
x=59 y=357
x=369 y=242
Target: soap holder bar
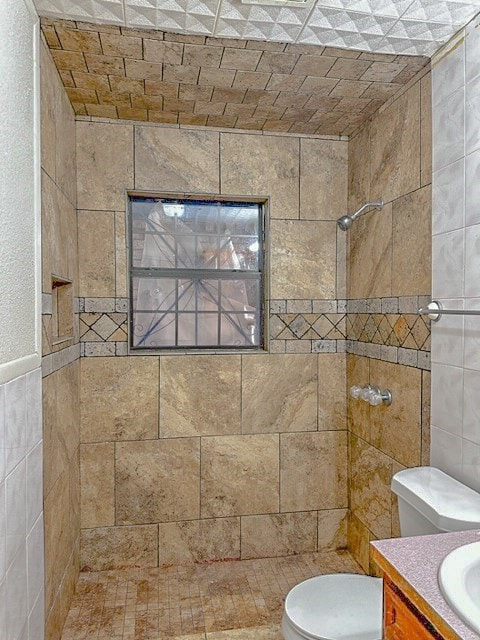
x=373 y=395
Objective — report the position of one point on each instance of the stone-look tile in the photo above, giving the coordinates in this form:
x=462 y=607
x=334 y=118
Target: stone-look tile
x=395 y=148
x=240 y=475
x=48 y=87
x=358 y=411
x=120 y=255
x=426 y=130
x=282 y=534
x=157 y=480
x=176 y=160
x=96 y=254
x=396 y=467
x=199 y=541
x=267 y=632
x=358 y=541
x=104 y=165
x=200 y=395
x=323 y=179
x=332 y=529
x=359 y=169
x=57 y=614
x=370 y=494
x=61 y=433
x=60 y=534
x=118 y=548
x=412 y=244
x=119 y=399
x=262 y=166
x=396 y=430
x=313 y=471
x=97 y=480
x=332 y=405
x=59 y=235
x=370 y=263
x=426 y=391
x=279 y=393
x=303 y=259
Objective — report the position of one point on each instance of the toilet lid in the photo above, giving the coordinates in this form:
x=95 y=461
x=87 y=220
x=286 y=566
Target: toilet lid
x=337 y=607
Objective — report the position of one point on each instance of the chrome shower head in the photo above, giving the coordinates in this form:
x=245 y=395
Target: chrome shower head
x=345 y=222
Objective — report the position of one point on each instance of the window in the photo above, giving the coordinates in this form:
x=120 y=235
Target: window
x=196 y=273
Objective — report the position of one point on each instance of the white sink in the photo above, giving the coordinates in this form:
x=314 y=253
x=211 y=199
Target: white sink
x=459 y=580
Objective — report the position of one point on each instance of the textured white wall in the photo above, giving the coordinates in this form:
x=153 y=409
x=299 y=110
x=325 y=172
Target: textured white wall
x=456 y=257
x=19 y=189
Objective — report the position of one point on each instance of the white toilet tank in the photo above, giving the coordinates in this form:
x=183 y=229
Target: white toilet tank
x=430 y=501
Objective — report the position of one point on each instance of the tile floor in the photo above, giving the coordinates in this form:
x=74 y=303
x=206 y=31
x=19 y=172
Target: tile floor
x=230 y=600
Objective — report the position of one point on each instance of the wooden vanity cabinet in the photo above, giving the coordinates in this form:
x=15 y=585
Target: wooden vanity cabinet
x=402 y=621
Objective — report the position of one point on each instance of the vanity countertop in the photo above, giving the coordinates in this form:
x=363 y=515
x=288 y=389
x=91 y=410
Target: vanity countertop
x=413 y=564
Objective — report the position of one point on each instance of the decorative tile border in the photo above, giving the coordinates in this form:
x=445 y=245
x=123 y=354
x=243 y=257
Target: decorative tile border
x=386 y=329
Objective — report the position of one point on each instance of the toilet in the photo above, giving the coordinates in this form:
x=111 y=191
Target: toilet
x=348 y=606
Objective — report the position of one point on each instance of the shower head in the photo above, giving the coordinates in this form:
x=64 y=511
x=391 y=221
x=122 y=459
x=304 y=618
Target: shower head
x=345 y=222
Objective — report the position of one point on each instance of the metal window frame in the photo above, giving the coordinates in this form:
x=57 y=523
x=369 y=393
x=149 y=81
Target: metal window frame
x=218 y=274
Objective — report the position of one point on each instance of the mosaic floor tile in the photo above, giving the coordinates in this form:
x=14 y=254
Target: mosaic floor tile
x=228 y=600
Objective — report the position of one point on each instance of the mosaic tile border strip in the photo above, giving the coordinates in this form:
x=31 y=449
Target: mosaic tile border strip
x=386 y=329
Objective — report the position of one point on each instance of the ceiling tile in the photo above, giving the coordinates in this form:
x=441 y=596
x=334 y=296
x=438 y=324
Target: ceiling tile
x=350 y=21
x=109 y=11
x=392 y=8
x=420 y=30
x=70 y=9
x=260 y=22
x=141 y=13
x=456 y=12
x=408 y=46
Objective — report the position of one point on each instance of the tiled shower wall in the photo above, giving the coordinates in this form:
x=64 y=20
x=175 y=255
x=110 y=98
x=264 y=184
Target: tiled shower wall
x=456 y=251
x=389 y=266
x=213 y=456
x=60 y=365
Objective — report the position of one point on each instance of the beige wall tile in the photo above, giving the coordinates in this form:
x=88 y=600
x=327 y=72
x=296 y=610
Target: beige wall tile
x=303 y=259
x=267 y=632
x=104 y=165
x=59 y=535
x=116 y=45
x=199 y=395
x=426 y=130
x=157 y=480
x=332 y=406
x=119 y=547
x=59 y=236
x=395 y=147
x=96 y=249
x=176 y=160
x=279 y=393
x=282 y=534
x=396 y=430
x=97 y=484
x=120 y=255
x=412 y=244
x=199 y=540
x=158 y=51
x=119 y=398
x=358 y=412
x=370 y=495
x=370 y=263
x=239 y=475
x=359 y=541
x=323 y=179
x=235 y=59
x=332 y=529
x=48 y=81
x=359 y=169
x=426 y=388
x=262 y=166
x=313 y=471
x=60 y=422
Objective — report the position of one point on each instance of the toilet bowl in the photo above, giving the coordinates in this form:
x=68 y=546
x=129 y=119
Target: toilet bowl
x=340 y=606
x=348 y=606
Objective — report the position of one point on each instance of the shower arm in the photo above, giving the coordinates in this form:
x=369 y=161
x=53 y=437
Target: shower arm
x=367 y=205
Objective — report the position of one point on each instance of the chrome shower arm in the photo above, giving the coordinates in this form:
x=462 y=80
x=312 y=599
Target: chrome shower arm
x=367 y=205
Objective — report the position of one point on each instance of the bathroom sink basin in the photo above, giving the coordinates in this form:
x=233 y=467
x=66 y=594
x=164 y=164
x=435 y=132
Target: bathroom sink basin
x=459 y=580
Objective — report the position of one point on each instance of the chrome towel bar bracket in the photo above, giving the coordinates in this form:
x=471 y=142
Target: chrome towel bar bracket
x=434 y=310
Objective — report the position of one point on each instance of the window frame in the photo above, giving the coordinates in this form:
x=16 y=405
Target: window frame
x=263 y=203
